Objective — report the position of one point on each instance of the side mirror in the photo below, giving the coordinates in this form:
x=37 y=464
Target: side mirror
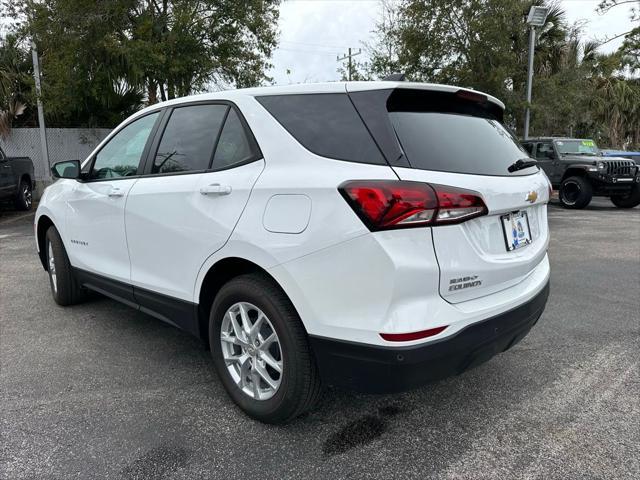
x=66 y=169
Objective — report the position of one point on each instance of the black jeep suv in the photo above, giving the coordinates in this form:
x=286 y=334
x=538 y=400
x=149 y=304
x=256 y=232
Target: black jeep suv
x=576 y=167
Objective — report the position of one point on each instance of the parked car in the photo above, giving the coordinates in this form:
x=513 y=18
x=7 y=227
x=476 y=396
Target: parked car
x=17 y=180
x=329 y=234
x=579 y=171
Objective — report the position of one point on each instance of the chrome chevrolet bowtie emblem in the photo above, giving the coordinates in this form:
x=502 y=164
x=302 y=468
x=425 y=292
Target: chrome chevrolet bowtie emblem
x=532 y=196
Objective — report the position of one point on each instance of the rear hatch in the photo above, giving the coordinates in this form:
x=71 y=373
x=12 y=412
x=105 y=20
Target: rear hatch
x=456 y=138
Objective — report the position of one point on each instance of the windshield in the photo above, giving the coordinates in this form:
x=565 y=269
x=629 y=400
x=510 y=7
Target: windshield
x=577 y=147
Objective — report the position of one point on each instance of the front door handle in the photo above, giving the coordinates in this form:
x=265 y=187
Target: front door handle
x=116 y=192
x=216 y=189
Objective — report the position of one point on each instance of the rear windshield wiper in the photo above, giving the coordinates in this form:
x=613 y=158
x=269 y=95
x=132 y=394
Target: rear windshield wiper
x=521 y=164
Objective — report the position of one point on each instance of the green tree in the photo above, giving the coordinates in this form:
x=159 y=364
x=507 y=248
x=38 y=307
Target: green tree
x=15 y=83
x=101 y=60
x=483 y=44
x=182 y=46
x=476 y=43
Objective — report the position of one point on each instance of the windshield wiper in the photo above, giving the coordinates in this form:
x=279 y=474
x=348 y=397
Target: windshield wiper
x=521 y=164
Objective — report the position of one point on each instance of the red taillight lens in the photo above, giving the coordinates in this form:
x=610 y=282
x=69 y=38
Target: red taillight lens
x=457 y=205
x=407 y=337
x=387 y=204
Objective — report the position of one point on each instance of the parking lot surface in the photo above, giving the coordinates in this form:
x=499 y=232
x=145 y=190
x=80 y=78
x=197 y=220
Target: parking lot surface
x=99 y=390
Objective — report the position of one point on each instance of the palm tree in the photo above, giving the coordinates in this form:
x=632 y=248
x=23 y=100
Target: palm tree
x=12 y=78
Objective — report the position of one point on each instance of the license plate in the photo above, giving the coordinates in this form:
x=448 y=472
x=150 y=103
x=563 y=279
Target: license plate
x=516 y=229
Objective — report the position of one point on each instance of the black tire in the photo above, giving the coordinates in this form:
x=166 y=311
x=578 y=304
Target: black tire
x=64 y=285
x=24 y=200
x=300 y=383
x=575 y=192
x=628 y=201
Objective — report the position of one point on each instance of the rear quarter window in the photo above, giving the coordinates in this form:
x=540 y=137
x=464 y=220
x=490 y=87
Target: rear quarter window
x=325 y=124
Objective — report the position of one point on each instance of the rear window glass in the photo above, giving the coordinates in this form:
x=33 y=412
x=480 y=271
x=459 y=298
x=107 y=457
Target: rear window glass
x=451 y=142
x=326 y=124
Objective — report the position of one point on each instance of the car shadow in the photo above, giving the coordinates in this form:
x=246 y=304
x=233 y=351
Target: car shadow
x=342 y=420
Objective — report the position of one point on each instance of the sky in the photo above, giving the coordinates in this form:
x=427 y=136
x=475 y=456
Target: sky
x=314 y=32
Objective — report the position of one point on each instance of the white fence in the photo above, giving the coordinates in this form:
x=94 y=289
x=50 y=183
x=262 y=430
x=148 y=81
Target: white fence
x=63 y=143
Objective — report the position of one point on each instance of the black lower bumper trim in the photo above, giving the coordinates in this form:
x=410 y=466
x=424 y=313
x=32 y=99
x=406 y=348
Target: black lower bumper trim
x=379 y=369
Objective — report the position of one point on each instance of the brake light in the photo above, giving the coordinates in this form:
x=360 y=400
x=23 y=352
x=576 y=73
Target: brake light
x=472 y=96
x=389 y=204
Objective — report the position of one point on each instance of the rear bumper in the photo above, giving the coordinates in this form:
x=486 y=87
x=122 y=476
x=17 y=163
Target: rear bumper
x=380 y=369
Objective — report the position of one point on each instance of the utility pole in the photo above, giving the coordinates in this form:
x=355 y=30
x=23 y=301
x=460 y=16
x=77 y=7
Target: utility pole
x=43 y=130
x=532 y=43
x=536 y=18
x=349 y=56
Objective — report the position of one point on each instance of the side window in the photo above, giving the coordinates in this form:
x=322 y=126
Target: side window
x=188 y=139
x=529 y=148
x=233 y=146
x=544 y=151
x=121 y=156
x=326 y=124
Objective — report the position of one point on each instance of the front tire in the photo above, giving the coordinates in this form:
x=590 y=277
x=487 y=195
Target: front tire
x=575 y=192
x=628 y=201
x=24 y=200
x=64 y=286
x=260 y=350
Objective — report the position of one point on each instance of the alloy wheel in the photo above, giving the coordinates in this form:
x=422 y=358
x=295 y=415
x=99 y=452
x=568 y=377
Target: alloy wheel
x=52 y=269
x=27 y=195
x=251 y=351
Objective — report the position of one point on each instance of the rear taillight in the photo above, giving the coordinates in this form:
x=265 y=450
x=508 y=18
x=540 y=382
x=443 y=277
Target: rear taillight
x=388 y=204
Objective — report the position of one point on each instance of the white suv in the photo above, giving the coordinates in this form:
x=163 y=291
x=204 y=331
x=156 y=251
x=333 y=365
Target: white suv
x=373 y=235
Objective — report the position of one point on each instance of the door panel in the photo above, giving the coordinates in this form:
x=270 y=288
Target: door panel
x=7 y=183
x=95 y=226
x=174 y=223
x=95 y=221
x=546 y=158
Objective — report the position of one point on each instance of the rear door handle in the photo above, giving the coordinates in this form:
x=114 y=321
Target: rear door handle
x=116 y=192
x=216 y=189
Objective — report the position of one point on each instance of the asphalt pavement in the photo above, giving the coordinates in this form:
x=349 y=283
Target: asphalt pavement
x=99 y=390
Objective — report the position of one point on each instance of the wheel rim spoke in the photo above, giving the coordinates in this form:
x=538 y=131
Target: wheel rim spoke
x=238 y=360
x=237 y=331
x=255 y=328
x=246 y=323
x=262 y=372
x=230 y=339
x=272 y=362
x=52 y=269
x=251 y=351
x=268 y=341
x=255 y=382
